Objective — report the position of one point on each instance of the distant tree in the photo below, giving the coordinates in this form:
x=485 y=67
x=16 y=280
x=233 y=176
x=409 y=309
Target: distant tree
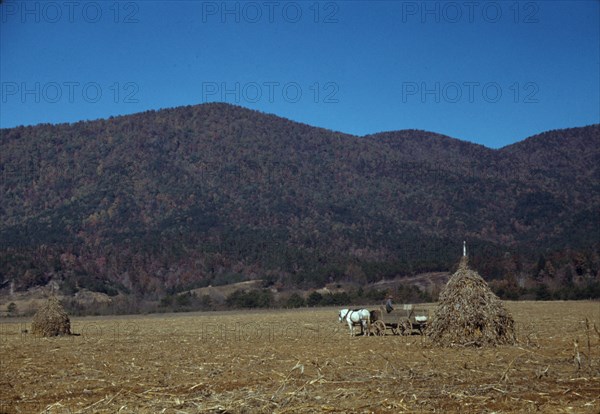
x=314 y=299
x=12 y=309
x=542 y=292
x=541 y=264
x=185 y=299
x=250 y=299
x=295 y=301
x=206 y=302
x=166 y=301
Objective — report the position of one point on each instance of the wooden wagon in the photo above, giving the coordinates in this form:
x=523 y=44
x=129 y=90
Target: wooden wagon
x=403 y=321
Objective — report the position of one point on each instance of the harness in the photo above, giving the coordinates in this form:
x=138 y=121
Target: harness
x=349 y=312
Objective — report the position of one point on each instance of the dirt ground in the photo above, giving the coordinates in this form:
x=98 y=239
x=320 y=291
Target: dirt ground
x=298 y=361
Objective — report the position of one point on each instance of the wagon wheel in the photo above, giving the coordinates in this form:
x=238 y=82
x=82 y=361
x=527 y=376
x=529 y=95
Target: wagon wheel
x=406 y=327
x=378 y=328
x=397 y=329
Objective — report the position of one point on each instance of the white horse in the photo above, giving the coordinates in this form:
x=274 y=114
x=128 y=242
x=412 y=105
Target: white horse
x=360 y=317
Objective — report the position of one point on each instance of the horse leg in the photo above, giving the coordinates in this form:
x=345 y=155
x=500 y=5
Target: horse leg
x=351 y=327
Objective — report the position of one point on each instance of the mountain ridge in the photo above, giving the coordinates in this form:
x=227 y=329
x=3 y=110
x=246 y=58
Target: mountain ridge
x=178 y=198
x=256 y=111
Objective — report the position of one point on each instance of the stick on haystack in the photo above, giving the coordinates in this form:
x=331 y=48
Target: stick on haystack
x=51 y=320
x=469 y=313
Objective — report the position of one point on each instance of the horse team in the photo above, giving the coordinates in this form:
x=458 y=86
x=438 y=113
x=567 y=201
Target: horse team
x=354 y=317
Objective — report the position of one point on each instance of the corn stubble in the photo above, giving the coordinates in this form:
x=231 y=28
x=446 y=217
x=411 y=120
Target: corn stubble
x=298 y=361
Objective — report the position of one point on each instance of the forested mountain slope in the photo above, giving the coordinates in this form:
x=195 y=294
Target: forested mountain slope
x=179 y=198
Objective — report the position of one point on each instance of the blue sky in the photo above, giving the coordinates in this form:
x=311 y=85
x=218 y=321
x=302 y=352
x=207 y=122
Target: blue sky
x=491 y=72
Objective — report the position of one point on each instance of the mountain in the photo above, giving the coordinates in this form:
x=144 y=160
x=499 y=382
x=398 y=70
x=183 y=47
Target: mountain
x=169 y=200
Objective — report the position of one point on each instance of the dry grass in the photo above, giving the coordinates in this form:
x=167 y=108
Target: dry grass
x=264 y=362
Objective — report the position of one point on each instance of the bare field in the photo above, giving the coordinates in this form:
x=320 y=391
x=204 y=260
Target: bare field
x=298 y=361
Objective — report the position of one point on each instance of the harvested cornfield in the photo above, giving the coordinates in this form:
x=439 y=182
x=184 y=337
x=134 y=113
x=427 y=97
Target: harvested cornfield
x=51 y=320
x=298 y=361
x=469 y=313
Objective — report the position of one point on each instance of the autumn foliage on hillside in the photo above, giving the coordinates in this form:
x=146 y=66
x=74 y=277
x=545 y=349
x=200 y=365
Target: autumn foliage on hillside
x=163 y=201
